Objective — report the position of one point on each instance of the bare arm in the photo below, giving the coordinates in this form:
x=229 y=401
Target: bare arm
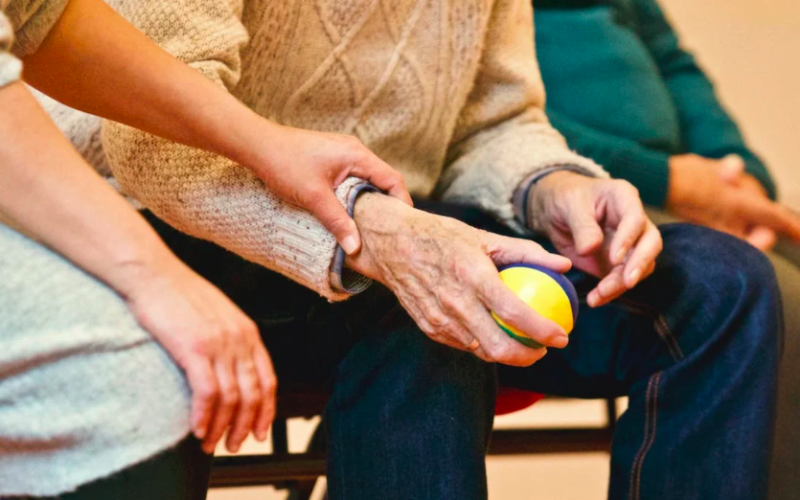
x=95 y=61
x=48 y=192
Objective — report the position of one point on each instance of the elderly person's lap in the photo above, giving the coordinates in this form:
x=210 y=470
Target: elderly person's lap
x=695 y=347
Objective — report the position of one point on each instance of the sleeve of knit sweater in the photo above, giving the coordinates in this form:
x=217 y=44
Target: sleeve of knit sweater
x=24 y=24
x=708 y=130
x=503 y=135
x=208 y=196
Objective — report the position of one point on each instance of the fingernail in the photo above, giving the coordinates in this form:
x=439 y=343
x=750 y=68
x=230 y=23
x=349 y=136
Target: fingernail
x=235 y=449
x=349 y=245
x=561 y=341
x=620 y=255
x=200 y=433
x=261 y=436
x=633 y=276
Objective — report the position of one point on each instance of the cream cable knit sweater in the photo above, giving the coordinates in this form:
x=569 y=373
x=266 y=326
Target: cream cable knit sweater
x=448 y=92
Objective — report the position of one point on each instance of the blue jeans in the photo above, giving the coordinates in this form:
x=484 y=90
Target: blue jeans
x=695 y=347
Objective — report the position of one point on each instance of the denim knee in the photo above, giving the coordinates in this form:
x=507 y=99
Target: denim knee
x=723 y=278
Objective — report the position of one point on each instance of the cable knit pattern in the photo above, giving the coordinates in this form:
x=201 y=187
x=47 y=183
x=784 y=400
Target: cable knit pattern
x=447 y=92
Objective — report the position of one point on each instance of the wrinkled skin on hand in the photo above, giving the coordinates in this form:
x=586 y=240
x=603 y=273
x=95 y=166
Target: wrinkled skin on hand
x=445 y=275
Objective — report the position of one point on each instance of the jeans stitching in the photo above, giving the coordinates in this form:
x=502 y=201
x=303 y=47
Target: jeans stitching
x=665 y=332
x=651 y=407
x=659 y=324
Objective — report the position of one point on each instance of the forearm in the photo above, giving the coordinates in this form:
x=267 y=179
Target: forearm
x=48 y=192
x=209 y=197
x=95 y=61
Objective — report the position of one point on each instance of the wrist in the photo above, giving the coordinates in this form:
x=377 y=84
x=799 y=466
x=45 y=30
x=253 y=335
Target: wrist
x=378 y=218
x=144 y=270
x=253 y=141
x=537 y=197
x=679 y=186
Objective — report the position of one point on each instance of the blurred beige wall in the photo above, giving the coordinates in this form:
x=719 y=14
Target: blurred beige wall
x=751 y=49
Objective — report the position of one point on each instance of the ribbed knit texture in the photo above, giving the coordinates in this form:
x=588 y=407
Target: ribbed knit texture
x=624 y=92
x=446 y=92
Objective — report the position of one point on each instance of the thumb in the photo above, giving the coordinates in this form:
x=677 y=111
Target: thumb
x=731 y=168
x=331 y=214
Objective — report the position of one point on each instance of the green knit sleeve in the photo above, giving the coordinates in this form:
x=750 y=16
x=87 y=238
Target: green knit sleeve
x=646 y=169
x=707 y=129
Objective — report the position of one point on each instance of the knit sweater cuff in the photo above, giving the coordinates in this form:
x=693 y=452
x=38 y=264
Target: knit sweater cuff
x=647 y=170
x=345 y=280
x=523 y=191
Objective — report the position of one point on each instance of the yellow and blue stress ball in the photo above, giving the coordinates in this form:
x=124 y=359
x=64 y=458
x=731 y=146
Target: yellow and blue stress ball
x=549 y=293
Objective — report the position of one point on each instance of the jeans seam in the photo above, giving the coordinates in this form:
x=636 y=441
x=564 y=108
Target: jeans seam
x=659 y=324
x=651 y=412
x=665 y=332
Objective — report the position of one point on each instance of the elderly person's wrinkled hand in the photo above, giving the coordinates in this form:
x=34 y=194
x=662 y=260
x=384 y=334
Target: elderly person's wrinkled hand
x=445 y=275
x=601 y=225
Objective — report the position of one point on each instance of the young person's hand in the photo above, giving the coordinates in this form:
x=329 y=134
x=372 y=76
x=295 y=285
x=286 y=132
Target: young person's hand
x=304 y=168
x=601 y=226
x=720 y=195
x=229 y=371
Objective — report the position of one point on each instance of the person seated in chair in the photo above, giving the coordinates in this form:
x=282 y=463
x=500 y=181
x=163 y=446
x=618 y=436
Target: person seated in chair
x=449 y=94
x=624 y=93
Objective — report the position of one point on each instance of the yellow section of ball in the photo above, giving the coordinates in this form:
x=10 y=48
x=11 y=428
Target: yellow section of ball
x=540 y=292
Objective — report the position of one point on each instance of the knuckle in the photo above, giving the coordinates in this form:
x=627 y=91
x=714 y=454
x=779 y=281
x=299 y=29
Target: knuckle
x=270 y=386
x=625 y=186
x=313 y=195
x=203 y=344
x=248 y=326
x=208 y=392
x=438 y=321
x=496 y=351
x=252 y=397
x=230 y=397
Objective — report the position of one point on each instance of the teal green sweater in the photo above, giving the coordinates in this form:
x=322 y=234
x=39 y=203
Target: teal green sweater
x=623 y=92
